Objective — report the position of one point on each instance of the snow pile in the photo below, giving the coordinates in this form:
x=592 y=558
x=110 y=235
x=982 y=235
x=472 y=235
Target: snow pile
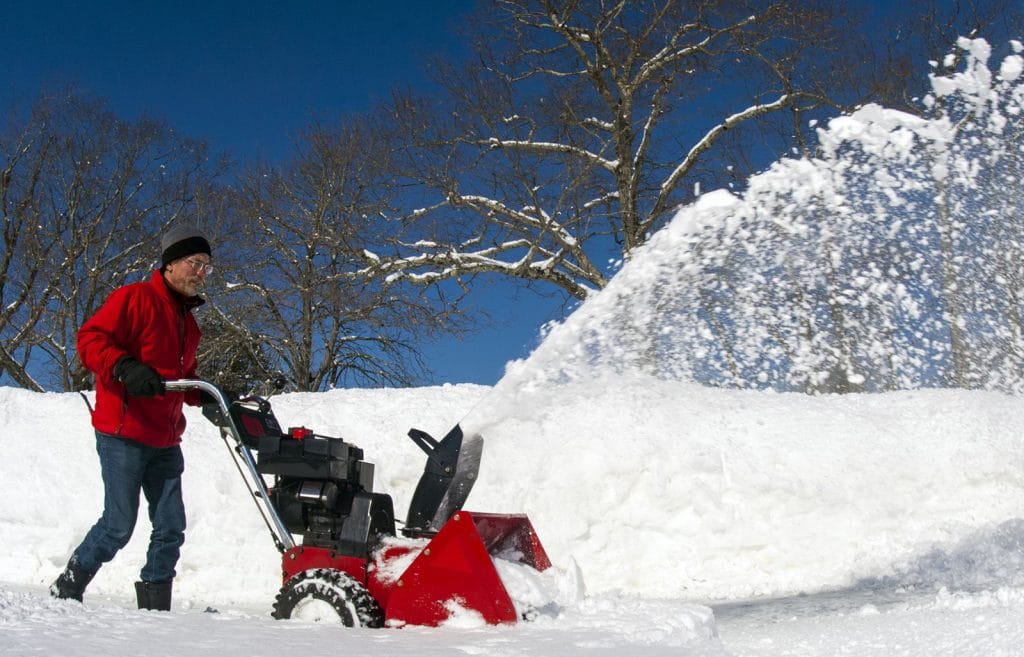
x=653 y=488
x=845 y=271
x=681 y=491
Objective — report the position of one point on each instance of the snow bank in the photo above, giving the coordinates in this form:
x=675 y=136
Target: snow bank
x=675 y=490
x=653 y=488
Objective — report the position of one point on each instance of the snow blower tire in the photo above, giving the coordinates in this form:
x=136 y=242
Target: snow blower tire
x=326 y=595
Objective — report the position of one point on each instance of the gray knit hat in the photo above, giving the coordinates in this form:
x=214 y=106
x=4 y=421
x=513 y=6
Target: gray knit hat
x=182 y=240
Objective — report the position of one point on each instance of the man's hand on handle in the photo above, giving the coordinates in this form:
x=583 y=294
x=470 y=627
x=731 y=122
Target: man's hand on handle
x=138 y=379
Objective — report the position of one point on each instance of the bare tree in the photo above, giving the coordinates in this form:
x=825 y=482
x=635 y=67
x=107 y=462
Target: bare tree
x=585 y=124
x=24 y=290
x=86 y=196
x=297 y=301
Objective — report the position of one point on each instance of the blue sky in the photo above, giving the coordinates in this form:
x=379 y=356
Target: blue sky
x=247 y=76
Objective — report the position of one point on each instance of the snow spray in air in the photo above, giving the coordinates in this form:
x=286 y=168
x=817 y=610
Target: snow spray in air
x=875 y=265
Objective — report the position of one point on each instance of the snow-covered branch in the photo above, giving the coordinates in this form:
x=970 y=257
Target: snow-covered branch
x=670 y=183
x=672 y=52
x=519 y=258
x=551 y=147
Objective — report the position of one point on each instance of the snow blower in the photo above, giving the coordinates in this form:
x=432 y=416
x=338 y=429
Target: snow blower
x=350 y=565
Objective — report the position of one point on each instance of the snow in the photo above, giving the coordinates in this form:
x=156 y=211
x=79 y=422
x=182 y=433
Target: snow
x=1011 y=68
x=823 y=271
x=680 y=519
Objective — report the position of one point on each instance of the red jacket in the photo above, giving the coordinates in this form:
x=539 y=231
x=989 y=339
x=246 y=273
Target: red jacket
x=154 y=325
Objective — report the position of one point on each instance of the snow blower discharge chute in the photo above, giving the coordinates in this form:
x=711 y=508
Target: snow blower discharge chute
x=349 y=565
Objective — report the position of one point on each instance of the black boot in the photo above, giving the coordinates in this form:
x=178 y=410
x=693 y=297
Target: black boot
x=72 y=582
x=154 y=595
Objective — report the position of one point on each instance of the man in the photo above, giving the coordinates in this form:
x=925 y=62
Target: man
x=141 y=336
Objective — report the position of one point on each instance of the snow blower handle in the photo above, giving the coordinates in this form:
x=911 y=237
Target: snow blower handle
x=222 y=417
x=219 y=398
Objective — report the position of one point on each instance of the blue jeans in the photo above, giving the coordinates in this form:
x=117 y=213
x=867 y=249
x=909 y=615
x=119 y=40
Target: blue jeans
x=129 y=467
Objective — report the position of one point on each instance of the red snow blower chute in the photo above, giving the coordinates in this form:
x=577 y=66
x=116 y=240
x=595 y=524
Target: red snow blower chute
x=350 y=564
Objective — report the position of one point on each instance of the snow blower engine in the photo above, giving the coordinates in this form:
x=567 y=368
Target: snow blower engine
x=350 y=566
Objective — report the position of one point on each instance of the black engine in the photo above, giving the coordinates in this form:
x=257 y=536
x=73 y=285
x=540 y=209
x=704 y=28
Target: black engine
x=323 y=489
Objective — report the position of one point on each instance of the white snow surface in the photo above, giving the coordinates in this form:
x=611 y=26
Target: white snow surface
x=680 y=520
x=702 y=522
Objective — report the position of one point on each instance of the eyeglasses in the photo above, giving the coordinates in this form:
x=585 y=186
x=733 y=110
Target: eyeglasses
x=200 y=267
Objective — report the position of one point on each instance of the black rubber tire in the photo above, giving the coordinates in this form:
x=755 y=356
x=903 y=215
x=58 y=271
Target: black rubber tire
x=309 y=594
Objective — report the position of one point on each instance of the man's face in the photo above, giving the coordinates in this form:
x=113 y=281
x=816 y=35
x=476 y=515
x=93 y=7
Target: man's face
x=187 y=275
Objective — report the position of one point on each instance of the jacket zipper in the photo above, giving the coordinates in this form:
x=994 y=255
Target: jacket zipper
x=181 y=310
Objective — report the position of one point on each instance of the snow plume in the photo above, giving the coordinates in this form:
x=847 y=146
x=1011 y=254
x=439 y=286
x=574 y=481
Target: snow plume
x=891 y=260
x=886 y=262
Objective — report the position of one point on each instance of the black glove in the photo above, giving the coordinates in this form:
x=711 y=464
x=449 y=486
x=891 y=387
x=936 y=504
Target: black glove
x=138 y=378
